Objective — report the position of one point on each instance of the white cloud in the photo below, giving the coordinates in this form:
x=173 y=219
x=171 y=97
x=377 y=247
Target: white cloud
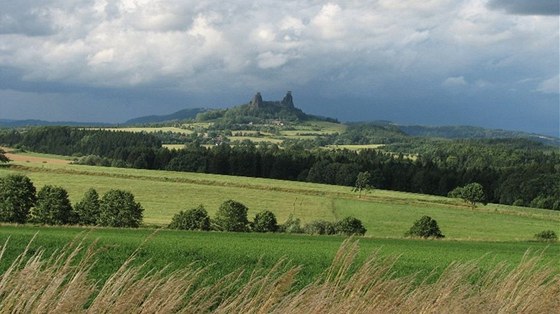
x=329 y=22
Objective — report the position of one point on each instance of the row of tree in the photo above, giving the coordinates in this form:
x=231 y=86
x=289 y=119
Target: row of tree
x=20 y=203
x=232 y=216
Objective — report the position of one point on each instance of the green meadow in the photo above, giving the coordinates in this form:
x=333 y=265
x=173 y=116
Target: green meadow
x=386 y=214
x=223 y=253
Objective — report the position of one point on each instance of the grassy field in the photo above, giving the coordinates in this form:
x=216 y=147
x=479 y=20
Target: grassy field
x=174 y=146
x=256 y=140
x=151 y=130
x=226 y=252
x=386 y=214
x=356 y=147
x=139 y=271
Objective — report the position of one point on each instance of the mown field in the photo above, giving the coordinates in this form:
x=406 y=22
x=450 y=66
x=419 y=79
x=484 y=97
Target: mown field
x=386 y=214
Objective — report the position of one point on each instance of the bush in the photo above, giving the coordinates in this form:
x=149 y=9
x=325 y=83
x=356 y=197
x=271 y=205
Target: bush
x=350 y=226
x=292 y=225
x=425 y=227
x=53 y=207
x=265 y=221
x=192 y=219
x=88 y=209
x=232 y=216
x=320 y=227
x=546 y=235
x=118 y=209
x=17 y=196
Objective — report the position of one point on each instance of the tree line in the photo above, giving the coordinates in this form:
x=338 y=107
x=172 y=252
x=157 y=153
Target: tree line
x=21 y=203
x=232 y=216
x=510 y=171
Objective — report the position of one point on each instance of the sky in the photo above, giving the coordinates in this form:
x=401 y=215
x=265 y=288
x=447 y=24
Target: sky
x=489 y=63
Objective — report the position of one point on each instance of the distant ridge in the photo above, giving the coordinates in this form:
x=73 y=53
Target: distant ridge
x=473 y=132
x=5 y=123
x=184 y=114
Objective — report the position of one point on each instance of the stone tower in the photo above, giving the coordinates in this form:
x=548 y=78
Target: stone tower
x=288 y=100
x=257 y=101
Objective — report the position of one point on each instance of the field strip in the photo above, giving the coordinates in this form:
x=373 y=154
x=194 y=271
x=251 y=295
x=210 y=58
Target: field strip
x=371 y=198
x=36 y=159
x=301 y=190
x=179 y=180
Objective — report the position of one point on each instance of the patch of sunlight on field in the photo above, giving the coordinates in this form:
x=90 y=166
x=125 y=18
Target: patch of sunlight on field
x=203 y=125
x=327 y=127
x=255 y=139
x=150 y=130
x=356 y=147
x=174 y=146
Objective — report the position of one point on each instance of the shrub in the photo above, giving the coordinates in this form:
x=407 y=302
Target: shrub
x=88 y=209
x=456 y=192
x=320 y=227
x=292 y=225
x=17 y=196
x=232 y=216
x=425 y=227
x=118 y=209
x=546 y=235
x=265 y=221
x=192 y=219
x=350 y=226
x=53 y=207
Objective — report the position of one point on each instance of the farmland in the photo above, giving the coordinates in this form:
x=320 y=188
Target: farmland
x=309 y=130
x=386 y=214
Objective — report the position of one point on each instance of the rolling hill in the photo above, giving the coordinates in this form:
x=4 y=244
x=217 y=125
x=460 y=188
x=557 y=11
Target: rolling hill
x=185 y=114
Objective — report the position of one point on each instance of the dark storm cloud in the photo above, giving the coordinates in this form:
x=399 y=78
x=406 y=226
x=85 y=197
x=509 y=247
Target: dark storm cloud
x=527 y=7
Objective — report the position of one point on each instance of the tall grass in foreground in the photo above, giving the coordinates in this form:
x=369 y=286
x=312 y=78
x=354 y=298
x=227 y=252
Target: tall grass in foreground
x=59 y=283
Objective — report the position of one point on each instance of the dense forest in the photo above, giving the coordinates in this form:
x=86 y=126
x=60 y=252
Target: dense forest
x=512 y=171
